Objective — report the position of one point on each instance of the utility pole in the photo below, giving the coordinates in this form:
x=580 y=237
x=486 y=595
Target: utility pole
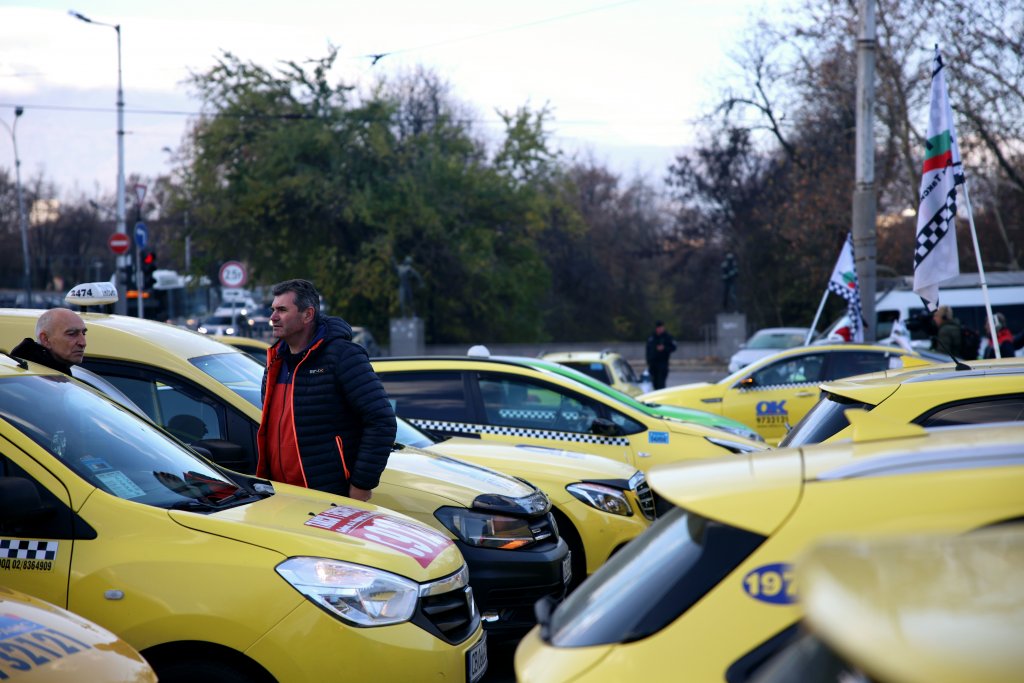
x=865 y=202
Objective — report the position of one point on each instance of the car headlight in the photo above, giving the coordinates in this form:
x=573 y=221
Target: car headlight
x=601 y=497
x=359 y=595
x=486 y=529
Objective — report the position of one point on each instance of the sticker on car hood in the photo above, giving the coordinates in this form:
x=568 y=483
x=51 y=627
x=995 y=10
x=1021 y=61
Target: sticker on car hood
x=418 y=542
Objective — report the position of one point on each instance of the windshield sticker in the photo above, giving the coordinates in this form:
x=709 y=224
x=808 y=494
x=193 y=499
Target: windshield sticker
x=771 y=583
x=657 y=437
x=418 y=542
x=120 y=485
x=26 y=644
x=94 y=464
x=772 y=413
x=25 y=555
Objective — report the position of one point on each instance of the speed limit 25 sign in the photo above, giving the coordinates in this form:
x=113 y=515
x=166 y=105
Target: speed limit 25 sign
x=232 y=274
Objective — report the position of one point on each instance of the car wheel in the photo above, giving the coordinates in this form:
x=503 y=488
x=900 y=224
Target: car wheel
x=567 y=530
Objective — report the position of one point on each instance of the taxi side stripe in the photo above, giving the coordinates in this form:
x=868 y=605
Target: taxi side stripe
x=471 y=428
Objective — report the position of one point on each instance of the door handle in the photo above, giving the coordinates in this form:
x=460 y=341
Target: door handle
x=804 y=394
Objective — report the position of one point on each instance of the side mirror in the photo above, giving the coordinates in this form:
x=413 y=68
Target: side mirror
x=605 y=427
x=227 y=454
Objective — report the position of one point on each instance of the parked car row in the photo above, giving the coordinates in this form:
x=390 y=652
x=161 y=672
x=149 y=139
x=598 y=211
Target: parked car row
x=521 y=497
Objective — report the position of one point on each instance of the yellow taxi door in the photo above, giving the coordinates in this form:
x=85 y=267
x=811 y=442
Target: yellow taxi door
x=37 y=528
x=775 y=397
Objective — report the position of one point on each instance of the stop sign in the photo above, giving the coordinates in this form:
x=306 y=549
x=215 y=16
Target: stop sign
x=118 y=243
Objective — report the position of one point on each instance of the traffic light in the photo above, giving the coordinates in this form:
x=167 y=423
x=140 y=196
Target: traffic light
x=148 y=266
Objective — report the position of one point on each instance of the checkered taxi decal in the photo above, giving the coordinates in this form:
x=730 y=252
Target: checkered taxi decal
x=18 y=554
x=468 y=428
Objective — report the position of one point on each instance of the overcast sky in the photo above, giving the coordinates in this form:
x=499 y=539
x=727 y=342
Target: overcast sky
x=623 y=79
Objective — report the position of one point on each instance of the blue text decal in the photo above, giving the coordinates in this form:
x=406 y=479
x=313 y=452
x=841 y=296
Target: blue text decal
x=771 y=583
x=657 y=437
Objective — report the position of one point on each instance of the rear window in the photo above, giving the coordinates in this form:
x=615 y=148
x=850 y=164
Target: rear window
x=825 y=419
x=652 y=581
x=428 y=395
x=976 y=411
x=595 y=370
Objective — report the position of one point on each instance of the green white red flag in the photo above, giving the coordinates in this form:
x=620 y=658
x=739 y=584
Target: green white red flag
x=935 y=256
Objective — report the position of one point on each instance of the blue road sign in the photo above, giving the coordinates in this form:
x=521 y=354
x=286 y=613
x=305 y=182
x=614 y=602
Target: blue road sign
x=141 y=234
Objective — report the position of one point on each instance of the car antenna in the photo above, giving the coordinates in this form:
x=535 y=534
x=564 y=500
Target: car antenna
x=959 y=365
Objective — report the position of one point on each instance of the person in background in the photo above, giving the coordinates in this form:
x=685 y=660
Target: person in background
x=660 y=346
x=61 y=341
x=327 y=422
x=1003 y=337
x=947 y=332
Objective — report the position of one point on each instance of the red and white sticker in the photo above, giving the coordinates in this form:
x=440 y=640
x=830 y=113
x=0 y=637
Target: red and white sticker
x=419 y=542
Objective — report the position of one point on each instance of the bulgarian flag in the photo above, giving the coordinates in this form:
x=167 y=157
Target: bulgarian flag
x=935 y=255
x=844 y=283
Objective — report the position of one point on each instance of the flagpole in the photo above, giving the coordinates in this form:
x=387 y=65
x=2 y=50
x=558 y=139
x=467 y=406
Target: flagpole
x=814 y=325
x=981 y=272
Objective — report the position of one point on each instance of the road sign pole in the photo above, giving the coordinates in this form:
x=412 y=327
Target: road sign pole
x=138 y=278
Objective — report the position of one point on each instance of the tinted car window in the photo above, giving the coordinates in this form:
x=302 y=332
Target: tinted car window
x=680 y=558
x=430 y=395
x=184 y=410
x=801 y=369
x=625 y=371
x=849 y=363
x=513 y=401
x=827 y=417
x=977 y=411
x=595 y=370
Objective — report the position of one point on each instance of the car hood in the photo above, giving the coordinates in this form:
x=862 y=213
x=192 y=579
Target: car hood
x=297 y=521
x=533 y=462
x=754 y=492
x=458 y=481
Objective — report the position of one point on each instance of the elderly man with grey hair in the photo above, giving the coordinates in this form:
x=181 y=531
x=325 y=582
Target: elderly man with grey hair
x=59 y=342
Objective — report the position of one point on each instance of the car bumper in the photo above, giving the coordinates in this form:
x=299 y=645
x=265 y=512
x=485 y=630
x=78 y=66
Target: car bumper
x=507 y=583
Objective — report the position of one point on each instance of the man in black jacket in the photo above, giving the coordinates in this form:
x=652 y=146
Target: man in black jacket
x=327 y=422
x=660 y=346
x=61 y=341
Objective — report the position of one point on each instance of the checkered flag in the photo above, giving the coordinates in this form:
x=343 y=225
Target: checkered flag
x=935 y=254
x=844 y=283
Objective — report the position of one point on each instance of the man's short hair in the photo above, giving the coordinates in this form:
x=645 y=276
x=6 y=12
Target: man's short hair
x=306 y=295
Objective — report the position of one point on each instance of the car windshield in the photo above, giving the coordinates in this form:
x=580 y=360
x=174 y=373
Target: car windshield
x=826 y=418
x=596 y=370
x=111 y=448
x=238 y=371
x=681 y=557
x=775 y=340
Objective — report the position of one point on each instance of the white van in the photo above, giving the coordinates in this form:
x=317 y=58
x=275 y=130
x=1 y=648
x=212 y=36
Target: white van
x=963 y=293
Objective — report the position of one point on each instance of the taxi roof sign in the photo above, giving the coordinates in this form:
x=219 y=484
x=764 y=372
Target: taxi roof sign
x=92 y=294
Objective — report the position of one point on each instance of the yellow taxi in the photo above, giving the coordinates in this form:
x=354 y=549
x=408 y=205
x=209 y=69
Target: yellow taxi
x=708 y=592
x=932 y=395
x=504 y=400
x=772 y=394
x=915 y=609
x=599 y=504
x=604 y=366
x=43 y=643
x=211 y=574
x=207 y=394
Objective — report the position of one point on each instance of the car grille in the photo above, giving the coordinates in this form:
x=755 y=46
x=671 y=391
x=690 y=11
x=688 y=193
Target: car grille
x=447 y=608
x=638 y=483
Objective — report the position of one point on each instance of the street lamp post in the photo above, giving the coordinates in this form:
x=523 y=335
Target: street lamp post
x=121 y=306
x=18 y=111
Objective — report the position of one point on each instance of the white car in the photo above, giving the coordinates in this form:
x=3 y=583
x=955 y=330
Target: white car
x=765 y=342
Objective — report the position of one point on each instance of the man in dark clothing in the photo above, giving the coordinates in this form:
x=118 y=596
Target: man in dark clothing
x=327 y=422
x=61 y=335
x=947 y=332
x=660 y=346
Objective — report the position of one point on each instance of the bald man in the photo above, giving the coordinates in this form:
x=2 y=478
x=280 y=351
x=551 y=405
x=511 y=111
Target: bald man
x=61 y=341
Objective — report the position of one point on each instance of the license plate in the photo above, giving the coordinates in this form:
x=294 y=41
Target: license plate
x=567 y=568
x=476 y=660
